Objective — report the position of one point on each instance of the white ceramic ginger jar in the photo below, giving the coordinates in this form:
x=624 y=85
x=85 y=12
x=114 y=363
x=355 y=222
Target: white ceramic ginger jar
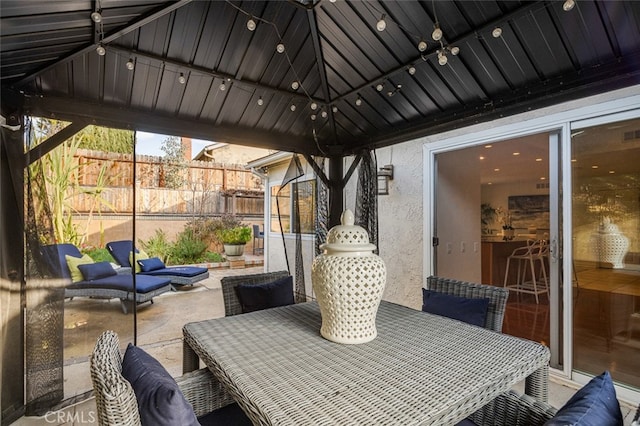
x=348 y=280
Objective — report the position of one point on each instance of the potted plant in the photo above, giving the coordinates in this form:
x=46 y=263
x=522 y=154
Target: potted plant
x=234 y=239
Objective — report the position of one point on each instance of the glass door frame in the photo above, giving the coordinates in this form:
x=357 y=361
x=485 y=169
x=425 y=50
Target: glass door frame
x=559 y=121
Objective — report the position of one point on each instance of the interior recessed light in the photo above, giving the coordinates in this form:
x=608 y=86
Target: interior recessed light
x=496 y=170
x=595 y=166
x=573 y=160
x=488 y=146
x=490 y=183
x=481 y=157
x=543 y=178
x=538 y=159
x=612 y=171
x=516 y=153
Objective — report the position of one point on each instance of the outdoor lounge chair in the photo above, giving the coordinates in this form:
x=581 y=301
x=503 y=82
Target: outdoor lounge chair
x=116 y=400
x=118 y=286
x=179 y=275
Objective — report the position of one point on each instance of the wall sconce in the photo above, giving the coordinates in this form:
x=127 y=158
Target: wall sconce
x=385 y=174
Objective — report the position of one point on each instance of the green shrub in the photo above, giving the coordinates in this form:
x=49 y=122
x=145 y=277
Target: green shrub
x=98 y=254
x=236 y=235
x=212 y=257
x=188 y=248
x=206 y=229
x=157 y=246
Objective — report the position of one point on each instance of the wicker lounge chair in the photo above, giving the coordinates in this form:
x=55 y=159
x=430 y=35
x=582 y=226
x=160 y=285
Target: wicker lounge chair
x=231 y=302
x=179 y=275
x=118 y=286
x=116 y=401
x=497 y=297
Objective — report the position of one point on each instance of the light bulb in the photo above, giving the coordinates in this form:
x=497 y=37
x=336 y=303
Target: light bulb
x=437 y=33
x=379 y=87
x=293 y=107
x=568 y=5
x=314 y=106
x=412 y=70
x=101 y=50
x=422 y=45
x=381 y=24
x=497 y=32
x=295 y=85
x=181 y=79
x=130 y=64
x=96 y=17
x=455 y=50
x=323 y=114
x=313 y=117
x=223 y=87
x=358 y=101
x=251 y=24
x=280 y=48
x=442 y=58
x=260 y=101
x=334 y=109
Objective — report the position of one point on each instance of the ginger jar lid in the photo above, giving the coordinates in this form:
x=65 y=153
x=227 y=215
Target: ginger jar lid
x=347 y=237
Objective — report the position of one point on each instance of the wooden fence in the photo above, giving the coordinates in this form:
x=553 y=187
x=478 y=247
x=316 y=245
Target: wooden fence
x=208 y=188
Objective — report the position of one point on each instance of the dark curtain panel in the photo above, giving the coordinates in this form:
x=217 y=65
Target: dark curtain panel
x=294 y=172
x=366 y=214
x=322 y=211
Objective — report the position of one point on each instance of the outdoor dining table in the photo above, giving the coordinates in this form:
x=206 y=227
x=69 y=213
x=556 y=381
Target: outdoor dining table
x=421 y=369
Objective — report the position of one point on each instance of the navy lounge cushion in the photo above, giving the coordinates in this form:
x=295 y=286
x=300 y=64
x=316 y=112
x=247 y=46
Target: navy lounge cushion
x=54 y=257
x=95 y=271
x=144 y=283
x=120 y=250
x=255 y=297
x=178 y=271
x=151 y=264
x=594 y=404
x=471 y=311
x=229 y=415
x=160 y=401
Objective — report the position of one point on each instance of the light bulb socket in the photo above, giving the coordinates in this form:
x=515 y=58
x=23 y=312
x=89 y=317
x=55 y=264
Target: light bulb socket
x=101 y=50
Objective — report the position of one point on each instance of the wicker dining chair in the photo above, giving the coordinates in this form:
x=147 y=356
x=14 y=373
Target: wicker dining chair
x=116 y=401
x=497 y=297
x=231 y=302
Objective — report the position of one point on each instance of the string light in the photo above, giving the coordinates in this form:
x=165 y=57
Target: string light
x=223 y=86
x=295 y=85
x=182 y=79
x=381 y=25
x=379 y=87
x=130 y=64
x=314 y=106
x=251 y=24
x=497 y=32
x=101 y=50
x=324 y=114
x=260 y=101
x=568 y=5
x=422 y=45
x=358 y=101
x=436 y=35
x=292 y=107
x=96 y=17
x=280 y=48
x=411 y=70
x=442 y=58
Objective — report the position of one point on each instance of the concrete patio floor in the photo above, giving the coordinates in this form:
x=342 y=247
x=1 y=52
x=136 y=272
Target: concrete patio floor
x=160 y=333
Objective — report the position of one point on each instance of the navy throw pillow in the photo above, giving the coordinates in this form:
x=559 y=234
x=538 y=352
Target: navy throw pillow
x=160 y=401
x=595 y=404
x=471 y=311
x=255 y=297
x=95 y=271
x=151 y=264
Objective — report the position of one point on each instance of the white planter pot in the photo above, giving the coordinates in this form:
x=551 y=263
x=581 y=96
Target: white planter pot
x=348 y=280
x=234 y=249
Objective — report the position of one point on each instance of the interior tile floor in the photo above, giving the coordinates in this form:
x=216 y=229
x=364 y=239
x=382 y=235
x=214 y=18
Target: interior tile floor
x=160 y=331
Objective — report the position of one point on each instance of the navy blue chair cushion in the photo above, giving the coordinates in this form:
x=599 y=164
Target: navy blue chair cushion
x=54 y=257
x=471 y=311
x=594 y=404
x=144 y=283
x=95 y=271
x=177 y=271
x=160 y=401
x=120 y=250
x=151 y=264
x=255 y=297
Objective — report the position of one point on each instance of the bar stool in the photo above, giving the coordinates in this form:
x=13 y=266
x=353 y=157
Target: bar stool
x=536 y=251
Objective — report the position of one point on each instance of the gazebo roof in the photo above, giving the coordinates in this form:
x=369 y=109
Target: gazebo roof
x=369 y=88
